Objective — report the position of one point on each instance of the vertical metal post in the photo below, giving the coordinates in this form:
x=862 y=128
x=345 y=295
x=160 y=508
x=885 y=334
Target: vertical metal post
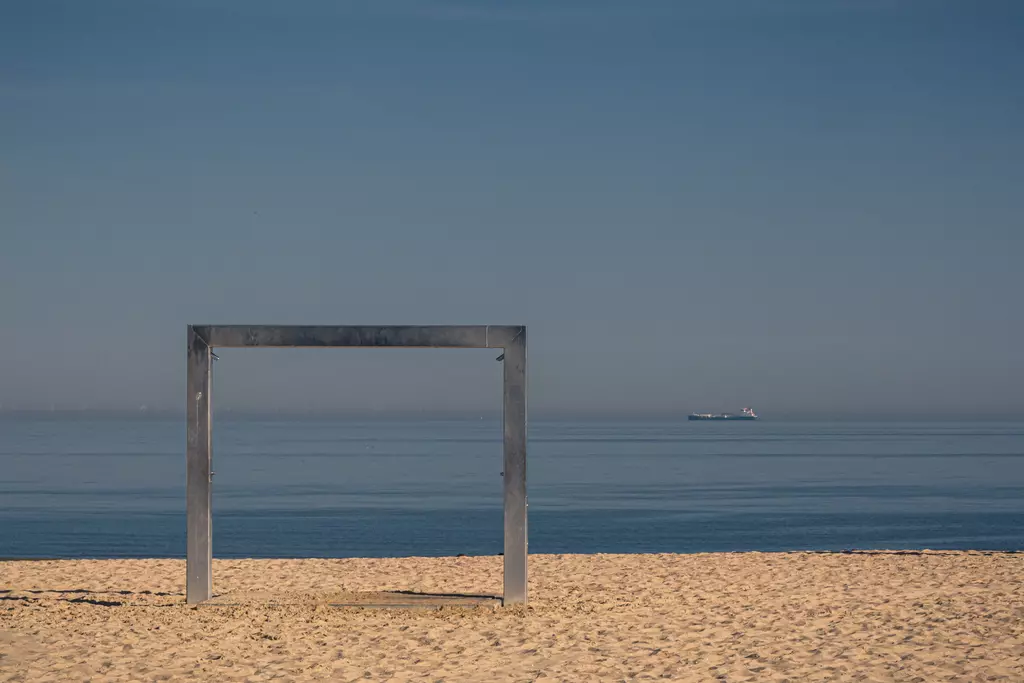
x=199 y=490
x=514 y=418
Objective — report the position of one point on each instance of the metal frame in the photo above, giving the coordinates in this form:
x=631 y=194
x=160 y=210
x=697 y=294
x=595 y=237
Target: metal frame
x=202 y=339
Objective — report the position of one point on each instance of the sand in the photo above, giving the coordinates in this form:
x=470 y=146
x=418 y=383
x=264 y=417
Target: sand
x=727 y=617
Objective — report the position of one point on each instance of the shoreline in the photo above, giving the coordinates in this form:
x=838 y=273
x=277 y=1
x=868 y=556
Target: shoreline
x=260 y=558
x=746 y=616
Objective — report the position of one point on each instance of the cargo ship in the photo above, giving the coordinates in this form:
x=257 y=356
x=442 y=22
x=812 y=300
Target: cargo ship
x=747 y=414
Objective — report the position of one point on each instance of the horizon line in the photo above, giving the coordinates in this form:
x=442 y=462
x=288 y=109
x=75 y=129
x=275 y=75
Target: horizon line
x=542 y=414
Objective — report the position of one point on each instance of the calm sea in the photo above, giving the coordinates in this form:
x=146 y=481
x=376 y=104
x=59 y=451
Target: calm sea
x=105 y=487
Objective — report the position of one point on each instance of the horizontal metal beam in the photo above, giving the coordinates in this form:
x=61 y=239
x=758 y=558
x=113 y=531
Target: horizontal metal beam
x=422 y=336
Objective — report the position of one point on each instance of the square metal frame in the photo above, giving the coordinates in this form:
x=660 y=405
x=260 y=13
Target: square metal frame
x=202 y=339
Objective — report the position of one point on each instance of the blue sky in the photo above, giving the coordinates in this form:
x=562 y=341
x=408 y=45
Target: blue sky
x=810 y=207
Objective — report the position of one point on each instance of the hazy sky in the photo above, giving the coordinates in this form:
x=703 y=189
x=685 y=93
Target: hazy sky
x=810 y=207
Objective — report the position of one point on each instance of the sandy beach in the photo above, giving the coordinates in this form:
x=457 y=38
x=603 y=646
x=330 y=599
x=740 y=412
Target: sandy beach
x=930 y=616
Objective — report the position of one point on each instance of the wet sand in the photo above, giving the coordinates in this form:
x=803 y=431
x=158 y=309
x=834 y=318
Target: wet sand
x=931 y=616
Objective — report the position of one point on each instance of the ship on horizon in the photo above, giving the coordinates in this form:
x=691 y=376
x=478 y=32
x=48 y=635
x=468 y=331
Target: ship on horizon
x=747 y=414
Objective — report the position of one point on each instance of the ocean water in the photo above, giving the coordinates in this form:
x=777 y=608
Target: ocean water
x=114 y=487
